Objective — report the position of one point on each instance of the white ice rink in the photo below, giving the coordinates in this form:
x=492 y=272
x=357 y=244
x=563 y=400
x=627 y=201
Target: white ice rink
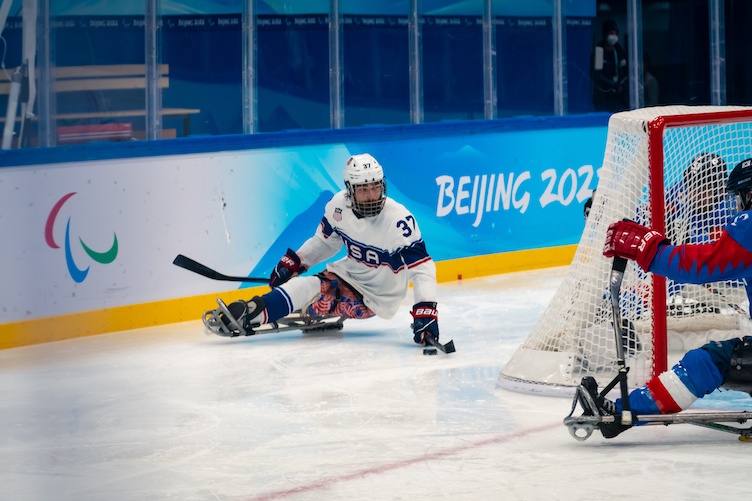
x=171 y=413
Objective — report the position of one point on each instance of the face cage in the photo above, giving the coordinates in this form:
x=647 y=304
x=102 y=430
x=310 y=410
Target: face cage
x=743 y=199
x=370 y=208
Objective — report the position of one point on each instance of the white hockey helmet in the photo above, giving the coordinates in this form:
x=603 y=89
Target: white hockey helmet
x=363 y=169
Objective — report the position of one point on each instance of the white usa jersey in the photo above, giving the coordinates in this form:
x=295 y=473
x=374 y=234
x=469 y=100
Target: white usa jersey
x=384 y=253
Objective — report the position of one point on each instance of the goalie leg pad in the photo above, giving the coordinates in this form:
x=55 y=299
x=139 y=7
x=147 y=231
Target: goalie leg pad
x=740 y=373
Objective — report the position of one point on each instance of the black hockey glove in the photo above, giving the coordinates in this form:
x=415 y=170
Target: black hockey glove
x=425 y=323
x=288 y=267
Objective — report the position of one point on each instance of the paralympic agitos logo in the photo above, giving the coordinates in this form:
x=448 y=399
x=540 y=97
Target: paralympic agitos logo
x=76 y=273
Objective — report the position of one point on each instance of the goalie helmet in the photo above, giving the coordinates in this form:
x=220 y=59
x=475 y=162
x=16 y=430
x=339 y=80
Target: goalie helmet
x=703 y=179
x=360 y=171
x=740 y=184
x=705 y=168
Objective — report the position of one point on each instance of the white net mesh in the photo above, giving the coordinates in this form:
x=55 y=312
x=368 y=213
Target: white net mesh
x=575 y=336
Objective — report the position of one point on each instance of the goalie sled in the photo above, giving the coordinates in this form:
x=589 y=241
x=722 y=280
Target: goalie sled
x=581 y=427
x=610 y=422
x=294 y=321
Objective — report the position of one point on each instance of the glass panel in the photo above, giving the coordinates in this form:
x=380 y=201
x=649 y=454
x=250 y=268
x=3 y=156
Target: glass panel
x=686 y=68
x=524 y=43
x=201 y=44
x=375 y=46
x=293 y=65
x=738 y=55
x=452 y=60
x=676 y=49
x=579 y=31
x=609 y=67
x=99 y=72
x=12 y=57
x=655 y=32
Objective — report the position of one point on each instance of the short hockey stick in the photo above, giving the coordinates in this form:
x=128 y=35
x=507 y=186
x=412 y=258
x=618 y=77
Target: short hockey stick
x=446 y=348
x=196 y=267
x=736 y=307
x=617 y=275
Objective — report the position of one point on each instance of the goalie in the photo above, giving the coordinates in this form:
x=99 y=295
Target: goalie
x=717 y=364
x=385 y=252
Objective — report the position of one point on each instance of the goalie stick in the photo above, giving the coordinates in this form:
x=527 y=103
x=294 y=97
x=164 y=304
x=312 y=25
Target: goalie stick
x=581 y=394
x=617 y=275
x=196 y=267
x=734 y=306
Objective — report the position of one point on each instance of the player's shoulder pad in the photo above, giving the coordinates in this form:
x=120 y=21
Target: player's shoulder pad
x=396 y=209
x=338 y=199
x=337 y=202
x=403 y=226
x=740 y=229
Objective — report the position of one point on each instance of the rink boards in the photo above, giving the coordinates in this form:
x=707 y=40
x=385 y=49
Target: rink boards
x=97 y=226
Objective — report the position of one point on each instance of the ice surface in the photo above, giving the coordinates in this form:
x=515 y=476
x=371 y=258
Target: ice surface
x=170 y=413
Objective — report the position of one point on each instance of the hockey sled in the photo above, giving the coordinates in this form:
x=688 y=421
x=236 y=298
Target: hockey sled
x=295 y=321
x=581 y=427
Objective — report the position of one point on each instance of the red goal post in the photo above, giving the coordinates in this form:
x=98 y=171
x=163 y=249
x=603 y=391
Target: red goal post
x=646 y=177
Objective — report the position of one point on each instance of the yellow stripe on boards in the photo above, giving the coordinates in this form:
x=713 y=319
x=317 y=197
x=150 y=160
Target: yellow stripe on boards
x=120 y=318
x=504 y=262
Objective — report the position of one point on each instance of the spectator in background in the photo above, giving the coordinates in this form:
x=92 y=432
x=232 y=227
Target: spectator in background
x=609 y=71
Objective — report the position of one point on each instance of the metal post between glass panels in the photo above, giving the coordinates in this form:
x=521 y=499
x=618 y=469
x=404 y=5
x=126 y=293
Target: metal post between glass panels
x=415 y=51
x=250 y=95
x=560 y=58
x=717 y=53
x=489 y=61
x=336 y=94
x=634 y=29
x=153 y=55
x=45 y=96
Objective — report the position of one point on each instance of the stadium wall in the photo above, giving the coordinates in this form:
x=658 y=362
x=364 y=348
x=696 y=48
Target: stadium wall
x=90 y=231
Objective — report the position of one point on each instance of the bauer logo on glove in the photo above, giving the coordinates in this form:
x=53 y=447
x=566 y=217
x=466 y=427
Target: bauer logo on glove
x=425 y=323
x=289 y=266
x=633 y=241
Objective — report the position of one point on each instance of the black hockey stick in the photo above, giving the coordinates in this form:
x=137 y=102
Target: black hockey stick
x=617 y=275
x=734 y=306
x=196 y=267
x=446 y=348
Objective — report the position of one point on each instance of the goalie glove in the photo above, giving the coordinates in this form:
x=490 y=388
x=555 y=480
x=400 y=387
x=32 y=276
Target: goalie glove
x=288 y=267
x=425 y=323
x=633 y=241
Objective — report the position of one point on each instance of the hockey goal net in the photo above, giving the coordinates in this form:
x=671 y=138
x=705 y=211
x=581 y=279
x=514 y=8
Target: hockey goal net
x=665 y=168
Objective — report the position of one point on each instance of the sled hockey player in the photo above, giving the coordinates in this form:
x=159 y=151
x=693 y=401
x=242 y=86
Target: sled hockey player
x=385 y=252
x=726 y=364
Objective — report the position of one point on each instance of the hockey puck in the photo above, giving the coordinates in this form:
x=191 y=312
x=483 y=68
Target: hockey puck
x=429 y=351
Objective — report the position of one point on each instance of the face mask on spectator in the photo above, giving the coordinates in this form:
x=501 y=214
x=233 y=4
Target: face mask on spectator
x=612 y=39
